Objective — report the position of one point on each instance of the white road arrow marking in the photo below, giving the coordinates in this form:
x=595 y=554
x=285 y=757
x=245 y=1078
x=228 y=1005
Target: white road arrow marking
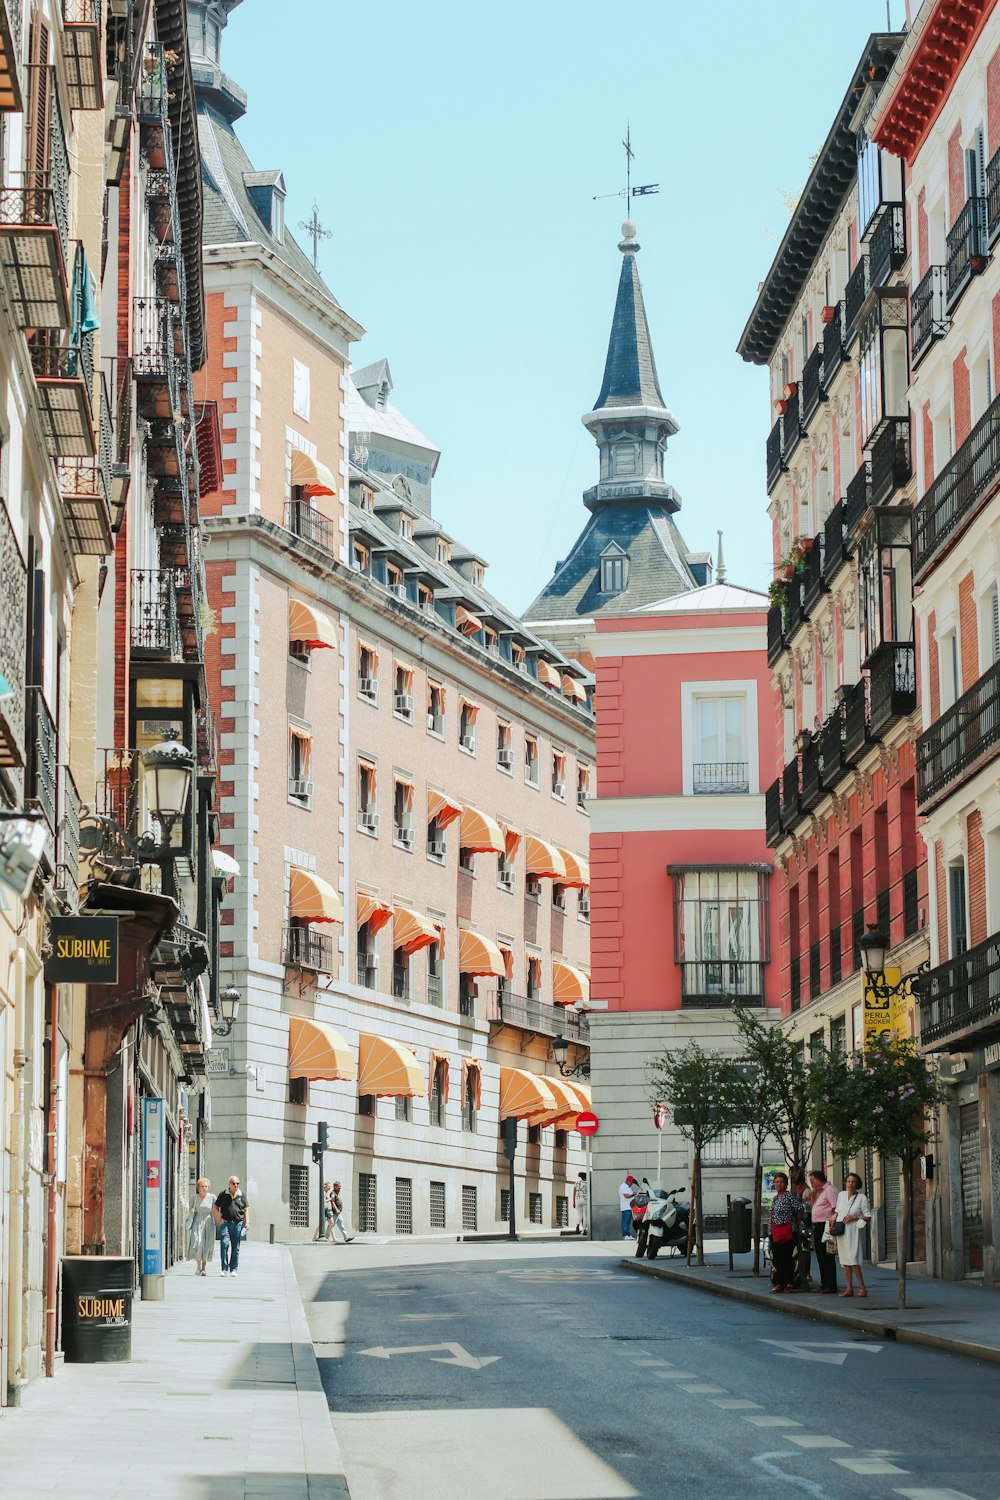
x=458 y=1355
x=823 y=1353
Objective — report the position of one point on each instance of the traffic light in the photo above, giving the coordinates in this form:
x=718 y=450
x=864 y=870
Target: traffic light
x=322 y=1139
x=317 y=1151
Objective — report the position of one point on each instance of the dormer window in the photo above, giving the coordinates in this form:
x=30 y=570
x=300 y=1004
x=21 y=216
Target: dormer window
x=366 y=499
x=405 y=528
x=614 y=570
x=443 y=551
x=478 y=574
x=266 y=191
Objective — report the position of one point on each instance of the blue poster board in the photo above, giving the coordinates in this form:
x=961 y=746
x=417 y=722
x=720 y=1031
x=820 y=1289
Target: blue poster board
x=153 y=1164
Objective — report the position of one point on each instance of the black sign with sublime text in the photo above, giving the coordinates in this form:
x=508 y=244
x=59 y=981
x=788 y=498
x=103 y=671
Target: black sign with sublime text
x=84 y=950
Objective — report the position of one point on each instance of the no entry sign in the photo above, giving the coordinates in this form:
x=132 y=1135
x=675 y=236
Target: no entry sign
x=587 y=1123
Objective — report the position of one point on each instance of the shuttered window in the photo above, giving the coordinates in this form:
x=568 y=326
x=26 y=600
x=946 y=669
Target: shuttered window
x=39 y=103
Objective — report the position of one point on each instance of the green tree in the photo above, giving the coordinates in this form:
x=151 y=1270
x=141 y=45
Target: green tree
x=699 y=1087
x=782 y=1093
x=882 y=1100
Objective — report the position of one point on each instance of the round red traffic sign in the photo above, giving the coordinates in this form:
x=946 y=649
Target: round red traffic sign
x=587 y=1123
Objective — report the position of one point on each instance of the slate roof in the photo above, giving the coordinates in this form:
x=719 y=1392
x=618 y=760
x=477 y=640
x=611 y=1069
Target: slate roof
x=657 y=566
x=630 y=369
x=711 y=598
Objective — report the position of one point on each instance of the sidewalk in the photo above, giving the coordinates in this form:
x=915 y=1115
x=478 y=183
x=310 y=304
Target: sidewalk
x=956 y=1316
x=222 y=1401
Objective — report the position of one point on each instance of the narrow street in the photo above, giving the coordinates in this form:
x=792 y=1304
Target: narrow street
x=567 y=1378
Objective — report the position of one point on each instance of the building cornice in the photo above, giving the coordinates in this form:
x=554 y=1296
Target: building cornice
x=683 y=642
x=921 y=80
x=743 y=814
x=271 y=267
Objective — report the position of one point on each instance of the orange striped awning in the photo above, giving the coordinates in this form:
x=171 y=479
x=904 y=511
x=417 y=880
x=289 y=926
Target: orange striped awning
x=467 y=622
x=511 y=838
x=523 y=1094
x=543 y=860
x=548 y=674
x=373 y=911
x=310 y=626
x=310 y=475
x=411 y=931
x=312 y=899
x=445 y=809
x=569 y=986
x=480 y=833
x=388 y=1069
x=472 y=1069
x=567 y=1106
x=581 y=1091
x=573 y=688
x=577 y=870
x=479 y=955
x=316 y=1051
x=436 y=1059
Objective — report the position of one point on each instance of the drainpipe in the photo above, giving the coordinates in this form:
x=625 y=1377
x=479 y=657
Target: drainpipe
x=15 y=1279
x=51 y=1258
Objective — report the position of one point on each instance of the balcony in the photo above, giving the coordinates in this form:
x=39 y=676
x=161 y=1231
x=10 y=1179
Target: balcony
x=68 y=840
x=156 y=630
x=833 y=760
x=812 y=384
x=14 y=583
x=791 y=805
x=854 y=295
x=775 y=633
x=836 y=551
x=720 y=779
x=993 y=198
x=82 y=53
x=891 y=464
x=887 y=251
x=10 y=55
x=306 y=949
x=795 y=610
x=791 y=426
x=716 y=984
x=504 y=1009
x=42 y=758
x=34 y=250
x=855 y=736
x=892 y=685
x=772 y=813
x=834 y=352
x=775 y=466
x=960 y=1000
x=857 y=499
x=86 y=488
x=154 y=361
x=302 y=520
x=965 y=738
x=967 y=480
x=169 y=269
x=152 y=96
x=64 y=379
x=929 y=311
x=967 y=254
x=811 y=786
x=814 y=584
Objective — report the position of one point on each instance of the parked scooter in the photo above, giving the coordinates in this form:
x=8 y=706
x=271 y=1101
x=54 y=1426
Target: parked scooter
x=664 y=1223
x=640 y=1202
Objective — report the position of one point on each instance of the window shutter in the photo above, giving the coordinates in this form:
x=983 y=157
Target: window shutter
x=39 y=102
x=995 y=623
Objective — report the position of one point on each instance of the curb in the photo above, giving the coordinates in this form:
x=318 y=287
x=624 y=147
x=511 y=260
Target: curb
x=322 y=1458
x=813 y=1314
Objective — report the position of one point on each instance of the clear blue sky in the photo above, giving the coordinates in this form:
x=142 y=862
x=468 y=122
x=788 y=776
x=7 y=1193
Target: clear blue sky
x=454 y=151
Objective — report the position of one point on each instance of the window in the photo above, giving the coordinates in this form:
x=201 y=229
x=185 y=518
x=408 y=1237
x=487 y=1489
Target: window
x=507 y=951
x=531 y=759
x=298 y=1091
x=366 y=498
x=404 y=1200
x=425 y=597
x=559 y=775
x=505 y=871
x=614 y=571
x=532 y=887
x=505 y=751
x=467 y=995
x=517 y=656
x=367 y=958
x=533 y=978
x=394 y=580
x=367 y=1202
x=534 y=1134
x=721 y=763
x=298 y=1197
x=467 y=861
x=583 y=903
x=437 y=848
x=958 y=932
x=731 y=1149
x=361 y=558
x=991 y=627
x=402 y=812
x=470 y=1216
x=300 y=386
x=467 y=726
x=491 y=640
x=720 y=932
x=838 y=1036
x=469 y=1099
x=442 y=551
x=534 y=1208
x=582 y=787
x=366 y=1105
x=437 y=1206
x=405 y=527
x=435 y=970
x=400 y=974
x=367 y=797
x=436 y=1099
x=562 y=1202
x=435 y=709
x=368 y=671
x=402 y=696
x=505 y=1205
x=300 y=787
x=558 y=896
x=403 y=1111
x=478 y=574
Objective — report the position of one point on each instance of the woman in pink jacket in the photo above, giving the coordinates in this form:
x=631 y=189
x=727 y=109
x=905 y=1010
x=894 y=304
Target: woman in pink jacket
x=822 y=1207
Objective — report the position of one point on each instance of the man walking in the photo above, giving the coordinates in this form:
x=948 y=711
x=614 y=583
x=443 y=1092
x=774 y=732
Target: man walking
x=337 y=1219
x=232 y=1214
x=626 y=1192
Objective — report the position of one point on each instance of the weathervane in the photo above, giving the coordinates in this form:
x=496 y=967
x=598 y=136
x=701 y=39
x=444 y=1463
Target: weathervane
x=314 y=227
x=628 y=192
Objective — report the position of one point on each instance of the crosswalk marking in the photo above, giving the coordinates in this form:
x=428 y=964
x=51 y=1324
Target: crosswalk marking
x=869 y=1466
x=814 y=1440
x=772 y=1421
x=933 y=1494
x=705 y=1390
x=736 y=1403
x=676 y=1374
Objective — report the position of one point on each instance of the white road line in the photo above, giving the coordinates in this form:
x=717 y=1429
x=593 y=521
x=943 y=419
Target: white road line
x=736 y=1403
x=814 y=1440
x=868 y=1466
x=705 y=1390
x=772 y=1421
x=676 y=1374
x=933 y=1494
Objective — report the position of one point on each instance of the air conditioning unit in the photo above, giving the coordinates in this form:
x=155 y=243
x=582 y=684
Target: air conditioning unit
x=559 y=789
x=405 y=836
x=369 y=820
x=300 y=788
x=507 y=879
x=368 y=965
x=468 y=741
x=399 y=589
x=505 y=756
x=584 y=906
x=404 y=704
x=433 y=724
x=436 y=848
x=368 y=686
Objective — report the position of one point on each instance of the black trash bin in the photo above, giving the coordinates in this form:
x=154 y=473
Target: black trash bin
x=740 y=1226
x=97 y=1308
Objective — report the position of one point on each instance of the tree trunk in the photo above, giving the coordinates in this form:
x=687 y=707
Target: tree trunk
x=903 y=1227
x=691 y=1210
x=758 y=1175
x=700 y=1229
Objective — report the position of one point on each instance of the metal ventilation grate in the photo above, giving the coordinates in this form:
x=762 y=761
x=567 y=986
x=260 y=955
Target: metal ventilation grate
x=470 y=1216
x=367 y=1203
x=298 y=1197
x=404 y=1205
x=562 y=1211
x=438 y=1215
x=505 y=1205
x=535 y=1208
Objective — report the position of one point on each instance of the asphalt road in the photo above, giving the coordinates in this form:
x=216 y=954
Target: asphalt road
x=568 y=1378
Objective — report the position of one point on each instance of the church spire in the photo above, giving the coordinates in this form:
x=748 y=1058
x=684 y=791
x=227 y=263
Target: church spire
x=630 y=369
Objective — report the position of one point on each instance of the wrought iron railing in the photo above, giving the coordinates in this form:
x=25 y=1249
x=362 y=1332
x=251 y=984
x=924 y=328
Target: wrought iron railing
x=92 y=476
x=791 y=426
x=964 y=737
x=153 y=94
x=719 y=778
x=892 y=684
x=993 y=197
x=14 y=592
x=857 y=498
x=966 y=479
x=68 y=837
x=812 y=384
x=534 y=1015
x=35 y=204
x=153 y=338
x=42 y=756
x=966 y=247
x=962 y=996
x=156 y=629
x=304 y=521
x=772 y=813
x=835 y=548
x=811 y=788
x=855 y=720
x=929 y=310
x=834 y=352
x=795 y=607
x=814 y=579
x=775 y=466
x=891 y=464
x=855 y=293
x=307 y=949
x=710 y=983
x=790 y=793
x=52 y=361
x=887 y=251
x=15 y=20
x=832 y=755
x=775 y=633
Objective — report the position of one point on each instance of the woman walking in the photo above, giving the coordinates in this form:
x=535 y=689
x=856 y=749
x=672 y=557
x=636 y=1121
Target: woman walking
x=823 y=1206
x=201 y=1228
x=853 y=1212
x=580 y=1203
x=785 y=1215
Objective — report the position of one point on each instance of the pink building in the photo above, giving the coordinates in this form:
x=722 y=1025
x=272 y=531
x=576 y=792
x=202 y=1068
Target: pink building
x=682 y=921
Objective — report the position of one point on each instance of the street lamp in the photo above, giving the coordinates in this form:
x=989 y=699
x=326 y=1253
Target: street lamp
x=560 y=1051
x=873 y=946
x=229 y=1005
x=167 y=772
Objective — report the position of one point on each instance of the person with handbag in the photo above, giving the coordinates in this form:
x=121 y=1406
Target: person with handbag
x=823 y=1206
x=852 y=1214
x=784 y=1218
x=232 y=1215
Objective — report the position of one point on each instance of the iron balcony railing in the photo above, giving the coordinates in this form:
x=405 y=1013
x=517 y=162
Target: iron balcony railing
x=306 y=949
x=855 y=293
x=887 y=251
x=891 y=464
x=812 y=384
x=960 y=999
x=12 y=51
x=811 y=789
x=775 y=465
x=152 y=97
x=68 y=838
x=966 y=255
x=966 y=480
x=14 y=582
x=791 y=425
x=855 y=720
x=153 y=355
x=929 y=310
x=857 y=498
x=892 y=685
x=834 y=353
x=791 y=806
x=42 y=756
x=835 y=547
x=775 y=633
x=993 y=197
x=35 y=263
x=304 y=521
x=720 y=778
x=814 y=579
x=156 y=627
x=832 y=753
x=715 y=983
x=964 y=738
x=503 y=1008
x=772 y=813
x=795 y=609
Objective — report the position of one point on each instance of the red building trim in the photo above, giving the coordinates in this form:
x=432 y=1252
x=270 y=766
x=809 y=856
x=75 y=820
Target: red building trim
x=948 y=35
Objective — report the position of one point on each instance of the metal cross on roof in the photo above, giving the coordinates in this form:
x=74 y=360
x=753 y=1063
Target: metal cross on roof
x=314 y=228
x=628 y=192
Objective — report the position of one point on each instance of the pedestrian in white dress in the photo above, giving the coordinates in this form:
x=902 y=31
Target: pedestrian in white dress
x=853 y=1211
x=201 y=1228
x=580 y=1190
